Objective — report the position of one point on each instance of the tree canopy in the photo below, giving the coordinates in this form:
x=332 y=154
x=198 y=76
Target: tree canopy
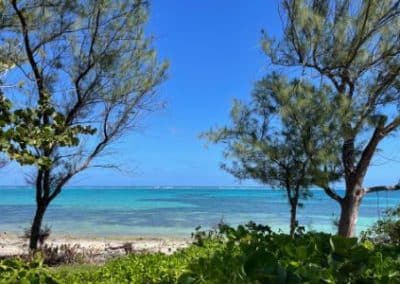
x=283 y=137
x=353 y=46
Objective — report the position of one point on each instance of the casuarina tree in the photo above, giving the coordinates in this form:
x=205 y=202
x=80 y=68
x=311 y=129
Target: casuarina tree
x=282 y=138
x=354 y=46
x=89 y=73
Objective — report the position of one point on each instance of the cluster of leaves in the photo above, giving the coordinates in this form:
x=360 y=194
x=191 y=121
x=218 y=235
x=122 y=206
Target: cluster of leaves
x=20 y=271
x=246 y=254
x=22 y=132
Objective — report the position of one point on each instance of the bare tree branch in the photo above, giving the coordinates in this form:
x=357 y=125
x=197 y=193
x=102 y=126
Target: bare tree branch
x=382 y=188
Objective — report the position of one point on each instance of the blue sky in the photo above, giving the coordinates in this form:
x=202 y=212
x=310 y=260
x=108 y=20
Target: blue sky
x=215 y=56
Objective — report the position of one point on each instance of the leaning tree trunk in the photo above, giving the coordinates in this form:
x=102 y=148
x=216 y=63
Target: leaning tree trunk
x=350 y=206
x=36 y=226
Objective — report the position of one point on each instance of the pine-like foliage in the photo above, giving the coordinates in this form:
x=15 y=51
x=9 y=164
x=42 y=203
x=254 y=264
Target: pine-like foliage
x=283 y=137
x=353 y=46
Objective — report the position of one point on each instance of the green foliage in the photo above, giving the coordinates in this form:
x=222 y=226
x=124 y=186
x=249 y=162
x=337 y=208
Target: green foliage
x=246 y=254
x=87 y=74
x=353 y=47
x=385 y=231
x=26 y=133
x=20 y=271
x=142 y=268
x=89 y=68
x=252 y=255
x=22 y=131
x=282 y=138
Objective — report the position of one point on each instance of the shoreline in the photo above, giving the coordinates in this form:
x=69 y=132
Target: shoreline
x=97 y=249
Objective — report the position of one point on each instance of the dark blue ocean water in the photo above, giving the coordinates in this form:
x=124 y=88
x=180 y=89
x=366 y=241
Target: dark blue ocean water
x=173 y=211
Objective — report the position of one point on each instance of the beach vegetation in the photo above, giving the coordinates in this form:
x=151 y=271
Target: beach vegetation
x=88 y=74
x=247 y=254
x=62 y=254
x=354 y=47
x=22 y=271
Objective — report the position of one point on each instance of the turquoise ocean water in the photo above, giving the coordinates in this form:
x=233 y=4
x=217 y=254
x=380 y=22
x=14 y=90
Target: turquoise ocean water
x=173 y=211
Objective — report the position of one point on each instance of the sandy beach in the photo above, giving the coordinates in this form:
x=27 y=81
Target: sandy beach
x=95 y=249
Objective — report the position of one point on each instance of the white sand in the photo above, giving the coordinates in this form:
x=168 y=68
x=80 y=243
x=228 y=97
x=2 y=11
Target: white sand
x=11 y=245
x=14 y=245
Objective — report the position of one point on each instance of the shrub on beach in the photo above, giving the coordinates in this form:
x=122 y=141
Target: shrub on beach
x=63 y=254
x=255 y=254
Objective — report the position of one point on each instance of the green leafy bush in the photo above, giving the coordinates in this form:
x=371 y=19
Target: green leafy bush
x=253 y=254
x=21 y=271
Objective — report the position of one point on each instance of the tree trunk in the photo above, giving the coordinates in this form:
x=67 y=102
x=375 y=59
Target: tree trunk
x=350 y=206
x=293 y=219
x=36 y=226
